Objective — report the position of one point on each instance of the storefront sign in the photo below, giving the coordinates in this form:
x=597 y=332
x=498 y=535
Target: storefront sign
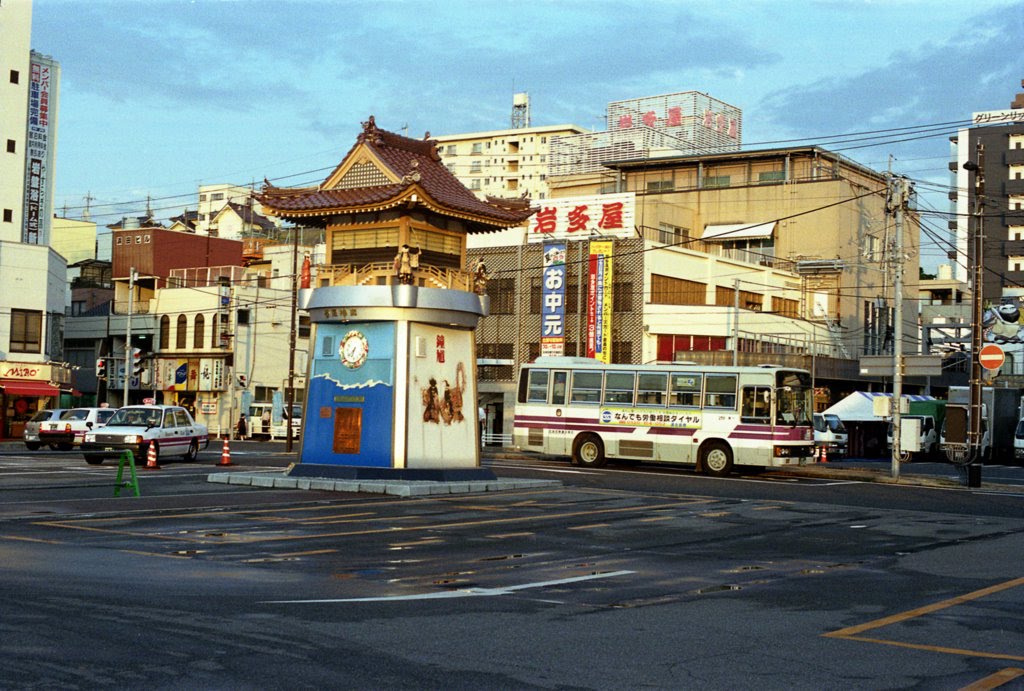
x=577 y=218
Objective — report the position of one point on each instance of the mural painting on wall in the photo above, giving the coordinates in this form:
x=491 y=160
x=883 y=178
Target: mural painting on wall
x=1002 y=323
x=445 y=405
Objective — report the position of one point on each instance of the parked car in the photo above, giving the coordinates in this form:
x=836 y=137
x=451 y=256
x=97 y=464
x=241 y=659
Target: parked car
x=31 y=434
x=67 y=431
x=169 y=429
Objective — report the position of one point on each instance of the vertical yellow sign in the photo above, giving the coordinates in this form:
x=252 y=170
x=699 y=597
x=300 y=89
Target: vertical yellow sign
x=599 y=302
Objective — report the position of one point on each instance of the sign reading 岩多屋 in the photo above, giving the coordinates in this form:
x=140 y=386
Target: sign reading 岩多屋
x=579 y=218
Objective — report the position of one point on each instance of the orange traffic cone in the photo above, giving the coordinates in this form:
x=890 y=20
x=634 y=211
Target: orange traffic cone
x=151 y=463
x=225 y=454
x=824 y=454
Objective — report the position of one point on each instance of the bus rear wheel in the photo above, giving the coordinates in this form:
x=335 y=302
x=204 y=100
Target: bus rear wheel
x=589 y=451
x=716 y=459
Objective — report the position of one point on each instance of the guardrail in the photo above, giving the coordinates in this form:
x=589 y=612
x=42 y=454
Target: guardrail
x=494 y=439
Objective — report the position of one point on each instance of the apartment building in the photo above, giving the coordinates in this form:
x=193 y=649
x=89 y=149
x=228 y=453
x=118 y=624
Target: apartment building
x=503 y=163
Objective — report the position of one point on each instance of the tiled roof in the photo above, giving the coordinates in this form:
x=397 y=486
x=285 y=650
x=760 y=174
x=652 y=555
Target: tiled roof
x=418 y=167
x=247 y=214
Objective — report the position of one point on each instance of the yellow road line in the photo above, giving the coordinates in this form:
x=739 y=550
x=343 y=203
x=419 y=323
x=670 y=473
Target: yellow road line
x=995 y=680
x=935 y=648
x=927 y=609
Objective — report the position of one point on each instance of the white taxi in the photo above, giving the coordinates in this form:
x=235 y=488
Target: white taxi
x=169 y=429
x=67 y=432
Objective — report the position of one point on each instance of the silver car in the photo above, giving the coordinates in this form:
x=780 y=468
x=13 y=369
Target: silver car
x=31 y=434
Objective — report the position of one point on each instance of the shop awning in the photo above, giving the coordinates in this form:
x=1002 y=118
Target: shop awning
x=18 y=387
x=737 y=231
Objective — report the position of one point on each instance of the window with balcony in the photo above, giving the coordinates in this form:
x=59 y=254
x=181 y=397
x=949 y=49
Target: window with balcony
x=712 y=181
x=478 y=148
x=476 y=167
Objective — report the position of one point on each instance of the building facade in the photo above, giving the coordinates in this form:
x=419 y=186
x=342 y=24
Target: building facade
x=996 y=145
x=503 y=163
x=33 y=373
x=753 y=257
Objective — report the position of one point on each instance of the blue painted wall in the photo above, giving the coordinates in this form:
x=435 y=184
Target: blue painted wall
x=369 y=388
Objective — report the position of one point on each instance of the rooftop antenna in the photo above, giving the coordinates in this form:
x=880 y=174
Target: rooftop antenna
x=85 y=212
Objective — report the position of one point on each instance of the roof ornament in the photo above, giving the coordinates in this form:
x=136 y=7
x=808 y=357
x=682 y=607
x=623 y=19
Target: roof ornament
x=370 y=132
x=414 y=174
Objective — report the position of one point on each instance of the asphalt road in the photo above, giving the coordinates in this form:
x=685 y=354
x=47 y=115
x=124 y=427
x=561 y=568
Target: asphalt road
x=625 y=577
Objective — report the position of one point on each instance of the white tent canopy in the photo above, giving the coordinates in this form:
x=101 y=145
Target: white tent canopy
x=860 y=406
x=737 y=231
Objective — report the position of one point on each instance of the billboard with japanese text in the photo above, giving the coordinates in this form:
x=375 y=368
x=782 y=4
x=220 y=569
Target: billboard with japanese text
x=552 y=336
x=36 y=226
x=599 y=302
x=580 y=218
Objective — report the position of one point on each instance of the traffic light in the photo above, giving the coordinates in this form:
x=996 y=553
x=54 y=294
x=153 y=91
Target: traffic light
x=101 y=368
x=136 y=361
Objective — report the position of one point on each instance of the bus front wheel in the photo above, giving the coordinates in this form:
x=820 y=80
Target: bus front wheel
x=716 y=459
x=589 y=451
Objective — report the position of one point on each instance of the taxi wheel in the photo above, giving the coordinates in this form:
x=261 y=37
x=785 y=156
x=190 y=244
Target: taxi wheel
x=93 y=459
x=193 y=451
x=32 y=445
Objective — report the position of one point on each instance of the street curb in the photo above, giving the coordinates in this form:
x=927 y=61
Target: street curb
x=405 y=488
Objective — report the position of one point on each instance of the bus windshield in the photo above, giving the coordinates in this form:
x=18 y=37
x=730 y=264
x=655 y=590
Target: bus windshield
x=793 y=398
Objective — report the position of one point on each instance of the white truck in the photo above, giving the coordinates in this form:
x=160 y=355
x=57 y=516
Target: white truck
x=830 y=434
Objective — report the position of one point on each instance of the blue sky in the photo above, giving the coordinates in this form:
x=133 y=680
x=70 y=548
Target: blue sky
x=159 y=97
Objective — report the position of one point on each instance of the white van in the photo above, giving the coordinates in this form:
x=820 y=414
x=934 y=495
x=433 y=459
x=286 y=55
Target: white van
x=258 y=428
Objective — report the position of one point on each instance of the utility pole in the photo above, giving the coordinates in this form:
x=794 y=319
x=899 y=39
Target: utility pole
x=291 y=344
x=974 y=437
x=735 y=322
x=899 y=198
x=128 y=330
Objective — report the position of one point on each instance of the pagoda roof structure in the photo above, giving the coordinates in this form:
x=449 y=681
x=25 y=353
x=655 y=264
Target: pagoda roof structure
x=384 y=170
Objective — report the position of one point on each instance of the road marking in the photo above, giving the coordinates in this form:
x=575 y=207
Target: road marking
x=853 y=632
x=467 y=592
x=995 y=680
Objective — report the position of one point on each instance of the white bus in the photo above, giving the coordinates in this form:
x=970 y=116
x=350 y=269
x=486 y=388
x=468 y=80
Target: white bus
x=712 y=417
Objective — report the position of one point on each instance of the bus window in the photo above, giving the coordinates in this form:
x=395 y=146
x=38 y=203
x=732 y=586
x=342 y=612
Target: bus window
x=586 y=387
x=618 y=388
x=685 y=390
x=559 y=387
x=651 y=388
x=720 y=391
x=537 y=388
x=755 y=405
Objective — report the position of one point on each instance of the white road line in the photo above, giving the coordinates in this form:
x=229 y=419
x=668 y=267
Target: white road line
x=467 y=592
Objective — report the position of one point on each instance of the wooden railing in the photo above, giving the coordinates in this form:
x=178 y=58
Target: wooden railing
x=383 y=273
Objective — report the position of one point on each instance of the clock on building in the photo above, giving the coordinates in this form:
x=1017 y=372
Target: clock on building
x=354 y=349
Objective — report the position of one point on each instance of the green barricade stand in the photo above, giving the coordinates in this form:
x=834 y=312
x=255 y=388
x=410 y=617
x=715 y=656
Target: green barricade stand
x=126 y=457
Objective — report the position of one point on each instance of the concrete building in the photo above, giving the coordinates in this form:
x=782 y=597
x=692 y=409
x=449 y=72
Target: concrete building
x=503 y=163
x=73 y=239
x=996 y=144
x=33 y=373
x=760 y=256
x=201 y=316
